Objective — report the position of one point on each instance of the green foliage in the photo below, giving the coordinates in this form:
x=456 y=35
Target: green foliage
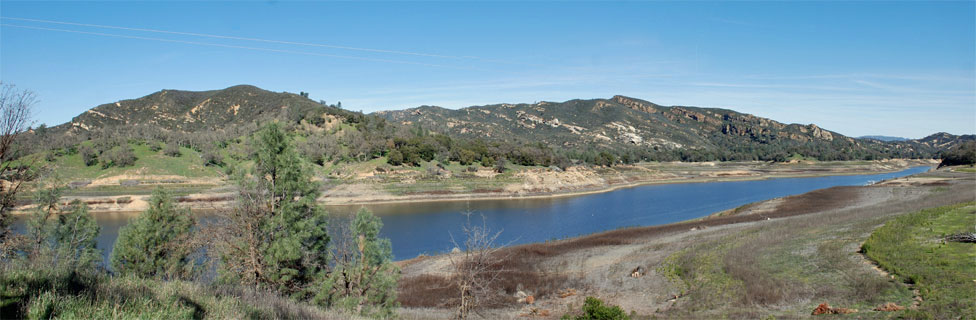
x=912 y=247
x=964 y=154
x=594 y=309
x=122 y=156
x=212 y=158
x=364 y=278
x=172 y=149
x=395 y=158
x=280 y=240
x=88 y=155
x=63 y=240
x=156 y=243
x=49 y=293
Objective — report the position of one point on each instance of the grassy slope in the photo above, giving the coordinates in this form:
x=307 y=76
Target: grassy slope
x=912 y=248
x=148 y=162
x=787 y=269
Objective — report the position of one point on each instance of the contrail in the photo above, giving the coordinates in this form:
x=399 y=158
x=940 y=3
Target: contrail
x=246 y=39
x=238 y=47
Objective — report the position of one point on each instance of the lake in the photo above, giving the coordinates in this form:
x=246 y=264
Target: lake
x=427 y=227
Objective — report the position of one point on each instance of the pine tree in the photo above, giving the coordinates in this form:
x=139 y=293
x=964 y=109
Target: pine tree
x=364 y=278
x=276 y=238
x=157 y=243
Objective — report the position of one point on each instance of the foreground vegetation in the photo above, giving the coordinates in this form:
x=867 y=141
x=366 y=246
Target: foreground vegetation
x=45 y=293
x=914 y=248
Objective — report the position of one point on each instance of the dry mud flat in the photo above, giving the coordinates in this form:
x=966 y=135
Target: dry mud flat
x=824 y=229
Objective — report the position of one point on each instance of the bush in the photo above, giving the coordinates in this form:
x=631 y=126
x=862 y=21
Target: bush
x=155 y=147
x=594 y=309
x=172 y=150
x=120 y=157
x=212 y=158
x=88 y=155
x=395 y=158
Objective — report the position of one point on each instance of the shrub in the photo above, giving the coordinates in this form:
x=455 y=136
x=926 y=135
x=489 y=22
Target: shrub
x=594 y=309
x=395 y=158
x=88 y=155
x=212 y=158
x=120 y=157
x=172 y=150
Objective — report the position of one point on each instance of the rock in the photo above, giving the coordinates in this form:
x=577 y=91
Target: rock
x=456 y=250
x=567 y=293
x=843 y=311
x=637 y=272
x=823 y=308
x=890 y=306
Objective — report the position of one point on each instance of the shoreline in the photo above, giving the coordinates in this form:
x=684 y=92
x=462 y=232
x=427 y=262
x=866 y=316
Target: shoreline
x=608 y=188
x=99 y=205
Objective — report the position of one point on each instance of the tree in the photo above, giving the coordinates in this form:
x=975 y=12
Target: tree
x=157 y=242
x=88 y=155
x=15 y=114
x=364 y=278
x=962 y=154
x=172 y=149
x=276 y=236
x=395 y=157
x=476 y=267
x=121 y=156
x=64 y=240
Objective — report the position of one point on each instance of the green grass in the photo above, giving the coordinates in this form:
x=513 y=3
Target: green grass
x=40 y=293
x=969 y=169
x=189 y=164
x=912 y=248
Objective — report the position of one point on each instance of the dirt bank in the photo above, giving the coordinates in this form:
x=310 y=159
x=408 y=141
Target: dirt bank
x=523 y=183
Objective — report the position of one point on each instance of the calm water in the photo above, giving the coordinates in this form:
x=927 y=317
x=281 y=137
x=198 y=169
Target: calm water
x=418 y=228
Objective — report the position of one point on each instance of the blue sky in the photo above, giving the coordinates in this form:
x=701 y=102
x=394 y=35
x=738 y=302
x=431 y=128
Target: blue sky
x=858 y=68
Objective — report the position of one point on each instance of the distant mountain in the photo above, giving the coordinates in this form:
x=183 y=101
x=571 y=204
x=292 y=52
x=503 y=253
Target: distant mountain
x=883 y=138
x=189 y=111
x=622 y=123
x=575 y=129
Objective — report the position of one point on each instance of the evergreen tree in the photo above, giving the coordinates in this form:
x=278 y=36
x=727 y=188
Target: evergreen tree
x=157 y=243
x=364 y=278
x=276 y=238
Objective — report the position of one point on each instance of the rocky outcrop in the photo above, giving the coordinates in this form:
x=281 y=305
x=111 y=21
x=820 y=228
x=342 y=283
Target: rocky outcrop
x=635 y=104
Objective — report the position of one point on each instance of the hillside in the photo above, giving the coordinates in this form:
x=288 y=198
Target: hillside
x=623 y=123
x=597 y=131
x=190 y=111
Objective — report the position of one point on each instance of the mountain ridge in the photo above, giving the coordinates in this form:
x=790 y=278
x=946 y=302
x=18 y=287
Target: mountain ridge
x=622 y=125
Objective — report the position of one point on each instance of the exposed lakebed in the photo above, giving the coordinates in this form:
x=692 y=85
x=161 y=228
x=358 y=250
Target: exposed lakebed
x=427 y=227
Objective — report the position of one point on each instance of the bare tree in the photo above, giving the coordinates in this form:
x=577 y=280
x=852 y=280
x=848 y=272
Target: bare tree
x=15 y=118
x=476 y=266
